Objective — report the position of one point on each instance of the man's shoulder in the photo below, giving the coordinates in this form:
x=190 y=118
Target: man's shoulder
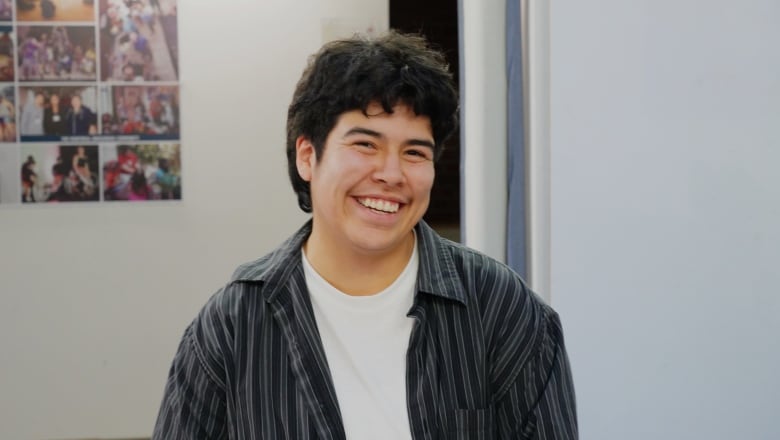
x=248 y=279
x=246 y=293
x=276 y=265
x=514 y=321
x=254 y=270
x=501 y=294
x=473 y=275
x=484 y=273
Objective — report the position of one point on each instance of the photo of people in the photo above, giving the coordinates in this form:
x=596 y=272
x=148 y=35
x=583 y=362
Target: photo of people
x=9 y=174
x=78 y=73
x=59 y=173
x=149 y=111
x=6 y=11
x=141 y=172
x=7 y=113
x=61 y=53
x=55 y=10
x=138 y=40
x=6 y=53
x=49 y=113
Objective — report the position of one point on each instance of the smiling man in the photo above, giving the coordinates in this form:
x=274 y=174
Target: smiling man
x=366 y=324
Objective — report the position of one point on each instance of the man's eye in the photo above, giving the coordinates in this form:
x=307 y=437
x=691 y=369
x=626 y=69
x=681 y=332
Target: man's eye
x=418 y=153
x=365 y=144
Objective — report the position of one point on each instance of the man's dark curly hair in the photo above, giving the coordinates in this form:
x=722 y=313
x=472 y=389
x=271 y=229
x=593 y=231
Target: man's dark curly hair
x=353 y=73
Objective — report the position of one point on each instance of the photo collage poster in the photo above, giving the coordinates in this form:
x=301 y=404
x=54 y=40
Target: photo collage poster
x=89 y=101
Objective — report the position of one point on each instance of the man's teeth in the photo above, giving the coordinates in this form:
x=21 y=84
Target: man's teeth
x=380 y=205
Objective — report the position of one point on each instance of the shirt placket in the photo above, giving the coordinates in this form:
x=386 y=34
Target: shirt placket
x=419 y=401
x=309 y=365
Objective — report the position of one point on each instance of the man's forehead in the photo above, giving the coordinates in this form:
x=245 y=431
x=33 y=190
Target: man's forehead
x=383 y=125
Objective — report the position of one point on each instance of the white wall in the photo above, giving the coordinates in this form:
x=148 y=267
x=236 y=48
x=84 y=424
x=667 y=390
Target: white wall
x=483 y=126
x=538 y=147
x=9 y=175
x=665 y=215
x=94 y=299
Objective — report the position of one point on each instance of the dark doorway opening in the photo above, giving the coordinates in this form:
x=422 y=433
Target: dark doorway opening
x=437 y=20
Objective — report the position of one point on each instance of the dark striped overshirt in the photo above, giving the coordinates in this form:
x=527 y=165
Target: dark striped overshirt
x=486 y=358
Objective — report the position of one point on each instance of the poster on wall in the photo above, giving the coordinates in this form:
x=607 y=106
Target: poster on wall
x=89 y=102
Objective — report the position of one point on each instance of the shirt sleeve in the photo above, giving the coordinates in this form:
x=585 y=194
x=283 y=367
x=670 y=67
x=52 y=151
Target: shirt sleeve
x=193 y=405
x=540 y=404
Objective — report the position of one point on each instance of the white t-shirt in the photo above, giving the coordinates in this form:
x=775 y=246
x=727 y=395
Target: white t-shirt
x=365 y=340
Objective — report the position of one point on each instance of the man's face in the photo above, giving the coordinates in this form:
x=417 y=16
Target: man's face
x=75 y=102
x=373 y=180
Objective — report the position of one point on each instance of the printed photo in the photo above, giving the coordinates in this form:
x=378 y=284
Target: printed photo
x=57 y=53
x=151 y=111
x=6 y=53
x=6 y=11
x=51 y=112
x=138 y=40
x=59 y=173
x=141 y=172
x=55 y=10
x=7 y=113
x=9 y=174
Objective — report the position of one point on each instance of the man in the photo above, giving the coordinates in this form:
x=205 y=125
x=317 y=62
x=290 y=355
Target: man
x=80 y=120
x=365 y=324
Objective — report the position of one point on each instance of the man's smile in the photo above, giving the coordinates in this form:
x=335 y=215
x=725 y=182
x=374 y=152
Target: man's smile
x=380 y=205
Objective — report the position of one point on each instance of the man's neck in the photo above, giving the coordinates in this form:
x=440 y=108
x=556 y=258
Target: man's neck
x=357 y=273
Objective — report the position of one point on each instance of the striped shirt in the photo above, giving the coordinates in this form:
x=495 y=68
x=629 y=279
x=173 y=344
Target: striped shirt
x=486 y=358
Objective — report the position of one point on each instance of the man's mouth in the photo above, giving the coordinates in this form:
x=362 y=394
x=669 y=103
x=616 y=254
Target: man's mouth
x=385 y=206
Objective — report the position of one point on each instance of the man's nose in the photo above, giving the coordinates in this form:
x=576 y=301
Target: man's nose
x=389 y=170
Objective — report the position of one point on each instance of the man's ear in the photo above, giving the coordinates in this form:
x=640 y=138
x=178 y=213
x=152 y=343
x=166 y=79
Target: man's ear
x=305 y=157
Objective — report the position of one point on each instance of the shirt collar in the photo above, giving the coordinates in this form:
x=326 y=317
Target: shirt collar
x=437 y=274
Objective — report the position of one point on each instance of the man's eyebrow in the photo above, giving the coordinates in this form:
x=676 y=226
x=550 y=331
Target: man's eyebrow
x=361 y=130
x=421 y=143
x=368 y=132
